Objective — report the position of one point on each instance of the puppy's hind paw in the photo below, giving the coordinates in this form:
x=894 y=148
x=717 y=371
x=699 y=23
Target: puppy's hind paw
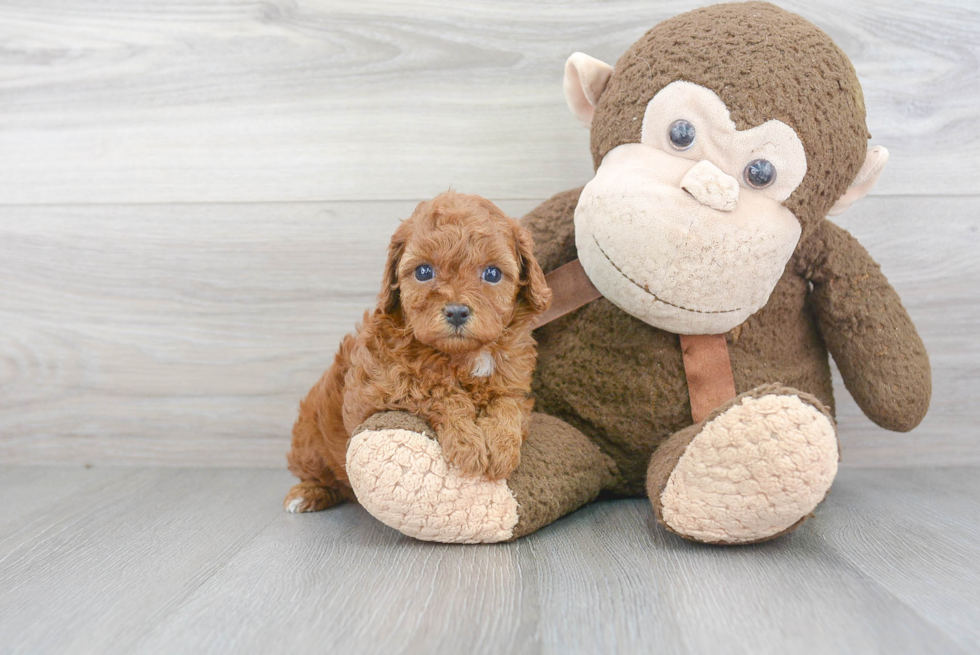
x=309 y=497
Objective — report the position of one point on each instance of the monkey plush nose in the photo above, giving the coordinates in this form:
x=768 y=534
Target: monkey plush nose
x=711 y=187
x=456 y=314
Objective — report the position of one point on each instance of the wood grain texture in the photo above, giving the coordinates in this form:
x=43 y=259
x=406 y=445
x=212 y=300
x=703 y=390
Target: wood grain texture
x=916 y=533
x=26 y=490
x=238 y=100
x=92 y=573
x=207 y=561
x=186 y=334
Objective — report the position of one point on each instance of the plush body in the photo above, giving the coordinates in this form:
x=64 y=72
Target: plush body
x=635 y=394
x=722 y=140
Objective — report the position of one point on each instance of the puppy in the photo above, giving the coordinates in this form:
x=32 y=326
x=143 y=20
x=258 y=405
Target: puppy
x=450 y=341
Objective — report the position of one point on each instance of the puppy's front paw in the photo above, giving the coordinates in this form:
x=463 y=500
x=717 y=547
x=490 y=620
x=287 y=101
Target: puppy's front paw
x=504 y=448
x=467 y=450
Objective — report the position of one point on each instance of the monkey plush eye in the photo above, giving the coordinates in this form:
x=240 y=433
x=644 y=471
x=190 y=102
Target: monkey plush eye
x=681 y=134
x=491 y=274
x=423 y=273
x=760 y=173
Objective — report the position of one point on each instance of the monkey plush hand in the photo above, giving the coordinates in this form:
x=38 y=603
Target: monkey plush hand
x=700 y=377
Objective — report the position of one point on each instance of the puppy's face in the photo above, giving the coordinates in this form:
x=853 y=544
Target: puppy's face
x=461 y=272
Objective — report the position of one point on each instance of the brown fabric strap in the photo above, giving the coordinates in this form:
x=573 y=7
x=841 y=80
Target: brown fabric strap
x=706 y=364
x=570 y=288
x=709 y=372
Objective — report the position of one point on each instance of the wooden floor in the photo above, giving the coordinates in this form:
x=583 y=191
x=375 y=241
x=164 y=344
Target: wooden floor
x=192 y=560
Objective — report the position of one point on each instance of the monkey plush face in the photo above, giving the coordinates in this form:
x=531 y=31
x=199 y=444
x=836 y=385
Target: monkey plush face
x=718 y=146
x=691 y=216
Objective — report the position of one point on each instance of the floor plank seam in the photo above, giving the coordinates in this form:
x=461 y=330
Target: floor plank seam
x=38 y=516
x=173 y=608
x=868 y=578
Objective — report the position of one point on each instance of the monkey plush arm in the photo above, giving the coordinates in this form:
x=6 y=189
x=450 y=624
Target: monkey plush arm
x=867 y=330
x=552 y=226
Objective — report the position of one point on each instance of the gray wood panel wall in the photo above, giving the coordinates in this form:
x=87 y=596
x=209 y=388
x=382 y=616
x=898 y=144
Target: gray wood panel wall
x=195 y=197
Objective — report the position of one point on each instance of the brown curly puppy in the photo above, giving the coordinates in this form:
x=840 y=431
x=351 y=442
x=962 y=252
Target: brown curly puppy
x=449 y=341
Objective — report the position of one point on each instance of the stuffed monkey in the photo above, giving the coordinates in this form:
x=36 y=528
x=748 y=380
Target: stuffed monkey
x=694 y=369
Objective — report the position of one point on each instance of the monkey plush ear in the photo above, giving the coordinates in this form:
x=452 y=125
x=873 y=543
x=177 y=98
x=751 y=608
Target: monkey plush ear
x=585 y=80
x=874 y=164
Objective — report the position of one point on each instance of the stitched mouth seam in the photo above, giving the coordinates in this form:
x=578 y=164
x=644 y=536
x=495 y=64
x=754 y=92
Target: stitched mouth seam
x=645 y=289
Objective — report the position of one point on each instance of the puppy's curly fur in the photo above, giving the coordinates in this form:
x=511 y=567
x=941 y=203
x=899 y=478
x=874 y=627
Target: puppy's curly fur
x=456 y=349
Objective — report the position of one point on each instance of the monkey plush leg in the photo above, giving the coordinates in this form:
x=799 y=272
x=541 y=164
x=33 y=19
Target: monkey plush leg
x=753 y=470
x=400 y=476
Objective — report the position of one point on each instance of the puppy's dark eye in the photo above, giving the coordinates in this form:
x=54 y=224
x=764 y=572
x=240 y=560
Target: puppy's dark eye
x=760 y=173
x=492 y=274
x=423 y=273
x=681 y=134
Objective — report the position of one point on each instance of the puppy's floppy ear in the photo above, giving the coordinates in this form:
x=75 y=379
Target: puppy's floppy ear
x=389 y=298
x=534 y=294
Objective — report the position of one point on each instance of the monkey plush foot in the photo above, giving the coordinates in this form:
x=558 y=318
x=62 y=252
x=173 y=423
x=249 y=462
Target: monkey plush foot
x=400 y=476
x=753 y=470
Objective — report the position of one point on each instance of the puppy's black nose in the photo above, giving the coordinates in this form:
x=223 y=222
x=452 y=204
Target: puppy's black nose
x=456 y=314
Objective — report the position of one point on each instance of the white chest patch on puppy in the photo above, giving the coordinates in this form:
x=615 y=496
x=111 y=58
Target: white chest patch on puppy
x=483 y=365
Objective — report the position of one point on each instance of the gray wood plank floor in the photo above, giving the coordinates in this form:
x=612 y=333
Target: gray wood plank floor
x=174 y=560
